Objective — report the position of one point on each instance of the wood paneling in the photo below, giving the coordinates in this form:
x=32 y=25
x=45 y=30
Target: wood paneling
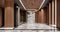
x=32 y=4
x=2 y=3
x=40 y=16
x=0 y=17
x=58 y=13
x=36 y=17
x=9 y=13
x=44 y=15
x=47 y=15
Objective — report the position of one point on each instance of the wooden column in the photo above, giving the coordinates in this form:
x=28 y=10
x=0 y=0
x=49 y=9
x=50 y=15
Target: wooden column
x=47 y=15
x=9 y=13
x=18 y=15
x=50 y=13
x=56 y=12
x=0 y=17
x=53 y=13
x=43 y=15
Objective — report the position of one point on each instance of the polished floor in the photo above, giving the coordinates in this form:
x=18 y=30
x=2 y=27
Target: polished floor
x=29 y=31
x=36 y=27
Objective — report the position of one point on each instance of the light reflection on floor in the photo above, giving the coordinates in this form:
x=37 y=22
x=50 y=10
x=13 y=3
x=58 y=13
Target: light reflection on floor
x=29 y=31
x=37 y=27
x=34 y=26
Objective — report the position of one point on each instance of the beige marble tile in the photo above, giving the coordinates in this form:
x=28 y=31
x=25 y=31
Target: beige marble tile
x=29 y=31
x=34 y=26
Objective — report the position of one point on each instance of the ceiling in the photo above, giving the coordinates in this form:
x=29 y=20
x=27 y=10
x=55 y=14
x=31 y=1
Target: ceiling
x=31 y=4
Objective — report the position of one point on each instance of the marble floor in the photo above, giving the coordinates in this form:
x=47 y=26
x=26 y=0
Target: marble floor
x=29 y=31
x=36 y=27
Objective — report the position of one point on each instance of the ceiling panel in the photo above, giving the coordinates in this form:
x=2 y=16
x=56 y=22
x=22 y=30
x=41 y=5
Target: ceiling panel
x=32 y=4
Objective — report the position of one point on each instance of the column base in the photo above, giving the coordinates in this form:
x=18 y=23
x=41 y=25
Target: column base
x=6 y=27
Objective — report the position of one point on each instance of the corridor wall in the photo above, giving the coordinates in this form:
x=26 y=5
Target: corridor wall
x=9 y=14
x=58 y=14
x=0 y=17
x=2 y=5
x=38 y=17
x=44 y=15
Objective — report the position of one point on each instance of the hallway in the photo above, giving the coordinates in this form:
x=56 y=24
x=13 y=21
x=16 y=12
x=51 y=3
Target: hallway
x=30 y=16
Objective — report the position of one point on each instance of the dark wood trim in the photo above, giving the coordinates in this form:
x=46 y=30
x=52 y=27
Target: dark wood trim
x=0 y=17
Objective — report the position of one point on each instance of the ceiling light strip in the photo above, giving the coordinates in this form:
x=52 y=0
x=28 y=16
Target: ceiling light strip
x=42 y=4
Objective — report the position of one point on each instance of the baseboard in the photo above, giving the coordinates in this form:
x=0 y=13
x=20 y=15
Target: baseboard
x=6 y=27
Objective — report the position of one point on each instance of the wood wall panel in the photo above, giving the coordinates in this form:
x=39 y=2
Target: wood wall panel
x=44 y=15
x=58 y=13
x=36 y=17
x=2 y=3
x=39 y=17
x=9 y=13
x=47 y=15
x=0 y=17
